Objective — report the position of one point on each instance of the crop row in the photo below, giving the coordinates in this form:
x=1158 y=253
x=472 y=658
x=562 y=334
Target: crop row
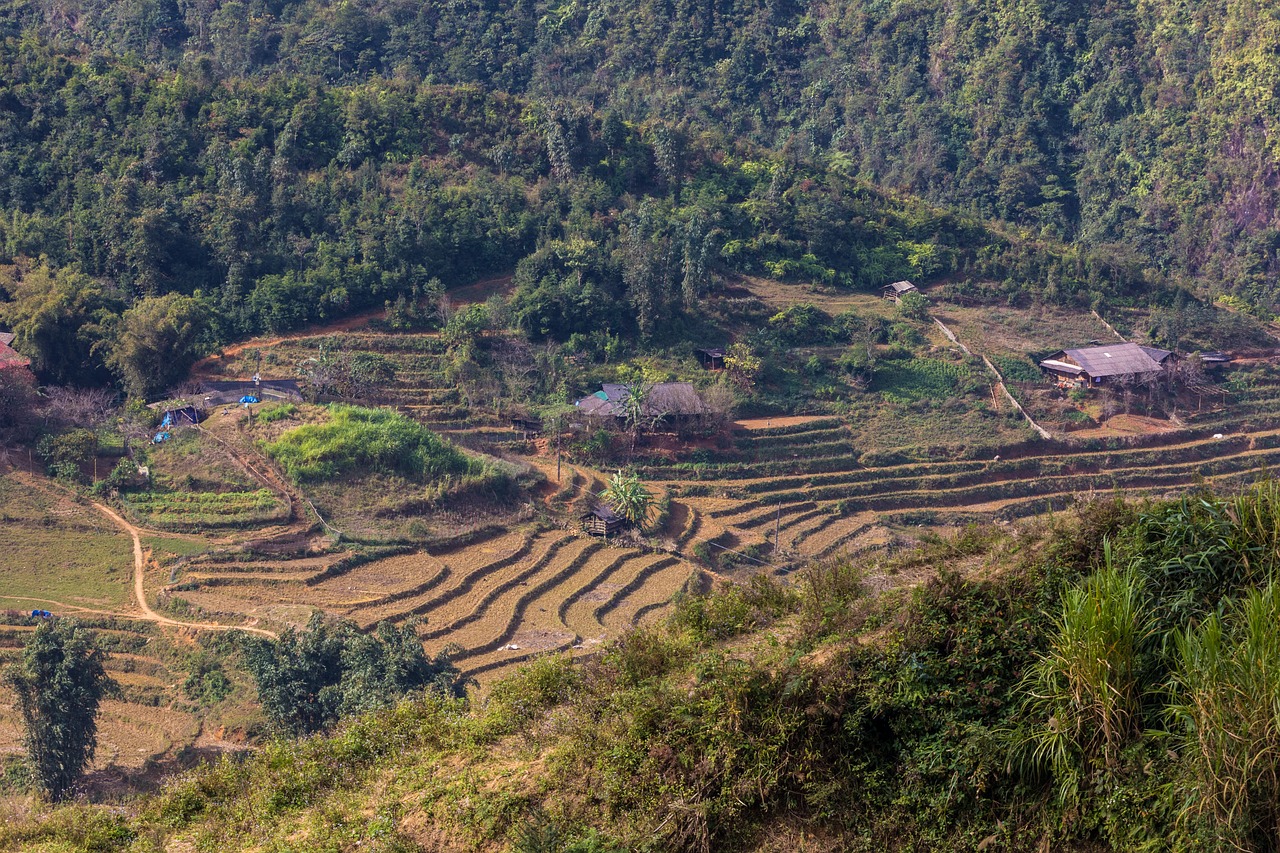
x=478 y=610
x=853 y=485
x=1121 y=478
x=468 y=581
x=522 y=603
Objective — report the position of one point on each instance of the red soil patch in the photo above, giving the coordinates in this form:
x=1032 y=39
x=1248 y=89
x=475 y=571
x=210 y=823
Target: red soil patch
x=769 y=423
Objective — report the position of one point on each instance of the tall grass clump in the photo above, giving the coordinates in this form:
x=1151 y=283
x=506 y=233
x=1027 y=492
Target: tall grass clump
x=1225 y=712
x=361 y=439
x=1201 y=548
x=1085 y=692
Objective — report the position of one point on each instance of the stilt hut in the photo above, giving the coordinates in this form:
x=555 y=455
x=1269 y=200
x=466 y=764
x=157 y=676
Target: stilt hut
x=602 y=521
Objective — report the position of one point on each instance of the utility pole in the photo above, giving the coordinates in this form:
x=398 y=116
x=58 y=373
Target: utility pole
x=557 y=448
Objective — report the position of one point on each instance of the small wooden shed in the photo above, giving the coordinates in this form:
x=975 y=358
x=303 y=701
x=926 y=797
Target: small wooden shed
x=528 y=426
x=898 y=289
x=602 y=521
x=711 y=358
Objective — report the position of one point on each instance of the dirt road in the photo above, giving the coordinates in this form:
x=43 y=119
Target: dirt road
x=139 y=589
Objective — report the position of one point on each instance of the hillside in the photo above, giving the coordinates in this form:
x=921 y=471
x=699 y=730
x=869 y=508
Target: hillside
x=957 y=710
x=311 y=292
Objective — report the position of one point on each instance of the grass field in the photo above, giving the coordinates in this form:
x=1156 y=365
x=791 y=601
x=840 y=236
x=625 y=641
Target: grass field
x=56 y=550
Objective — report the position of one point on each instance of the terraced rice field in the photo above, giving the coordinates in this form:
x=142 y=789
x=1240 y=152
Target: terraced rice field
x=810 y=489
x=782 y=495
x=493 y=603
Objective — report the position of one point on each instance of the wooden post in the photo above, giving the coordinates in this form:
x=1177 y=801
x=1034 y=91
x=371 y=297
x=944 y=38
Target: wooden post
x=557 y=450
x=777 y=529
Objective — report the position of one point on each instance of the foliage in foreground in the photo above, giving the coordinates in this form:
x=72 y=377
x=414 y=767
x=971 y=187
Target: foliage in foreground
x=906 y=721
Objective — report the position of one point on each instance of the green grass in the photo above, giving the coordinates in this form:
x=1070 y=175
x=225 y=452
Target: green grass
x=206 y=508
x=359 y=439
x=1016 y=369
x=176 y=547
x=919 y=379
x=59 y=551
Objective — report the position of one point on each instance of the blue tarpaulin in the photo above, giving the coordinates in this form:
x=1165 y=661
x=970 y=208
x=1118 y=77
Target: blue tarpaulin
x=160 y=436
x=168 y=420
x=249 y=398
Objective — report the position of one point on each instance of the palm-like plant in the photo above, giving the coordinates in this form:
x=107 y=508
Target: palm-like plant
x=630 y=498
x=1226 y=710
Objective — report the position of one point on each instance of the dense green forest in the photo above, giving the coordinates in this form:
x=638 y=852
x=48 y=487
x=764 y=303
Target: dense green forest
x=268 y=164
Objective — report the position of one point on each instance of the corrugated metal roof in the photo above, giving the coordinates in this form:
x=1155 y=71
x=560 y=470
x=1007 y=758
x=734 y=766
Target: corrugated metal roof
x=1157 y=355
x=1113 y=360
x=902 y=287
x=1061 y=366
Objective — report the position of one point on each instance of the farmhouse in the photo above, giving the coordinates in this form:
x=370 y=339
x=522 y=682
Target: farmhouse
x=664 y=401
x=898 y=289
x=602 y=521
x=1105 y=364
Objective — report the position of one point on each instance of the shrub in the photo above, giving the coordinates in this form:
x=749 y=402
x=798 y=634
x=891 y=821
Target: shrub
x=276 y=412
x=1086 y=690
x=360 y=439
x=1227 y=715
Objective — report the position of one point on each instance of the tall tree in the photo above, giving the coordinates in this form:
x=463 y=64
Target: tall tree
x=58 y=685
x=57 y=316
x=157 y=341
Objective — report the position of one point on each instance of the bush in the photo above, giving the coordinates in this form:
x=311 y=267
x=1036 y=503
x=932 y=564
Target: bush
x=360 y=439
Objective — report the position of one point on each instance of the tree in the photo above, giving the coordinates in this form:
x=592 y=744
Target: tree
x=17 y=404
x=79 y=407
x=58 y=684
x=57 y=316
x=913 y=306
x=743 y=365
x=630 y=498
x=157 y=341
x=310 y=679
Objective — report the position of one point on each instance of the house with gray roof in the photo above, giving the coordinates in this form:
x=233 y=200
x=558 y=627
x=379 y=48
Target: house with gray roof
x=1121 y=362
x=666 y=401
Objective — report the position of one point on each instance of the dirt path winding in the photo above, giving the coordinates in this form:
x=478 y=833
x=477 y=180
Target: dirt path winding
x=139 y=590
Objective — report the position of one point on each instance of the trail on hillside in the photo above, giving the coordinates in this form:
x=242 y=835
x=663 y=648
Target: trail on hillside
x=139 y=590
x=477 y=291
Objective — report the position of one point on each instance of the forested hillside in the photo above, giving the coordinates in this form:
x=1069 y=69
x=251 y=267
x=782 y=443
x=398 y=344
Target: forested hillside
x=279 y=163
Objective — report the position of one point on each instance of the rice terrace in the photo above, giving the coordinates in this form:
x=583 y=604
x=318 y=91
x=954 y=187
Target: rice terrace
x=469 y=523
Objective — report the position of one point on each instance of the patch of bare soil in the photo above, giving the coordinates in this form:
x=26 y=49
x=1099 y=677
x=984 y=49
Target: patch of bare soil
x=1123 y=425
x=771 y=423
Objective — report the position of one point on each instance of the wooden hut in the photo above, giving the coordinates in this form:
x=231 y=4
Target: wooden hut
x=529 y=426
x=711 y=358
x=602 y=521
x=898 y=289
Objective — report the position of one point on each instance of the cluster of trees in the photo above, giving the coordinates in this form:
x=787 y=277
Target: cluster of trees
x=307 y=680
x=1146 y=124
